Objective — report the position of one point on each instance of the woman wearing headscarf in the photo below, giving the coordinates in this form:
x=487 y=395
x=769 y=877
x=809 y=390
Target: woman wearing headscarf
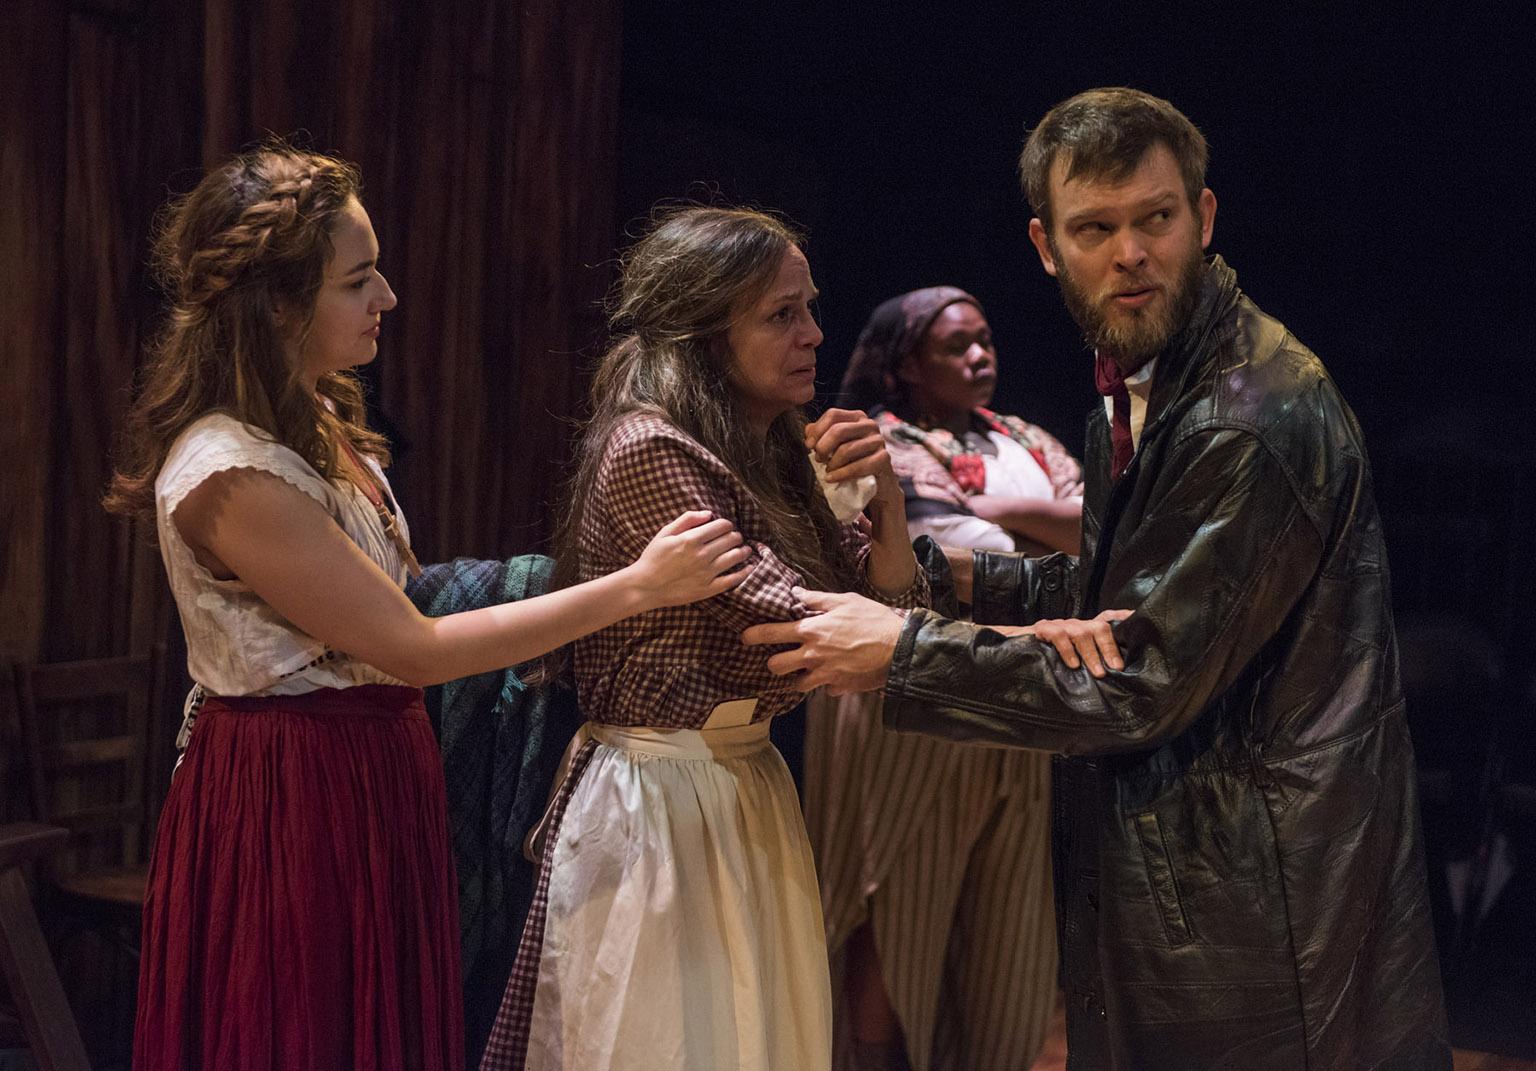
x=934 y=857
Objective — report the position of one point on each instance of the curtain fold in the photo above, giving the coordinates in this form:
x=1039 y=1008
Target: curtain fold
x=485 y=132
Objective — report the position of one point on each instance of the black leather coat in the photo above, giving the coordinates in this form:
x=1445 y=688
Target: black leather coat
x=1239 y=869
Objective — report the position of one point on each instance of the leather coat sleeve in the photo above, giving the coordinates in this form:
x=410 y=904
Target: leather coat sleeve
x=1211 y=571
x=941 y=582
x=1016 y=589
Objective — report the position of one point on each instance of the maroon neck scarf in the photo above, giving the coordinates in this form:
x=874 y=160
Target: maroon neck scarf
x=1110 y=382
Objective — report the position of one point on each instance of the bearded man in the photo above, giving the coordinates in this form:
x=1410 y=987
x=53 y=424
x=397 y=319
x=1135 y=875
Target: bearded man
x=1239 y=870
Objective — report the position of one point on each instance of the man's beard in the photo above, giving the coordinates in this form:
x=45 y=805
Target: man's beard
x=1135 y=336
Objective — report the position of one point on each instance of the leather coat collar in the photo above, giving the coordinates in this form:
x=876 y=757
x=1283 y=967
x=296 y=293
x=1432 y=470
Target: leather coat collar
x=1189 y=353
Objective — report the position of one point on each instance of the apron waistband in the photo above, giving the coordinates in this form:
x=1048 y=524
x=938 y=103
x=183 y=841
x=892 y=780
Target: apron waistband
x=728 y=743
x=725 y=735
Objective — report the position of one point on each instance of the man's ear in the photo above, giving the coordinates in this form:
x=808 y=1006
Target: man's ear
x=1042 y=243
x=1207 y=217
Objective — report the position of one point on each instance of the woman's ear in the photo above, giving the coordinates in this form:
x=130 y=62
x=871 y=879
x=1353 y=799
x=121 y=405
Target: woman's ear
x=292 y=325
x=906 y=370
x=720 y=353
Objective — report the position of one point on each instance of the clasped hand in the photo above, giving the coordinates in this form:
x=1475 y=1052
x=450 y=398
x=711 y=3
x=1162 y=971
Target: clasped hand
x=848 y=641
x=1079 y=641
x=848 y=442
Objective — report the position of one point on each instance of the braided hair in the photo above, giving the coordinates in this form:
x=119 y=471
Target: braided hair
x=242 y=258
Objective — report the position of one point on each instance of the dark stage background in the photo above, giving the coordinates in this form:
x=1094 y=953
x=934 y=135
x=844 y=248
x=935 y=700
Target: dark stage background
x=1369 y=171
x=1369 y=168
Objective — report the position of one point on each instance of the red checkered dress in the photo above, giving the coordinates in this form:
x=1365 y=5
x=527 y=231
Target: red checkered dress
x=666 y=668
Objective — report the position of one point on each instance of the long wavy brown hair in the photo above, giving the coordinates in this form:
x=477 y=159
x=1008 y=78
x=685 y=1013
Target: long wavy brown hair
x=681 y=287
x=250 y=242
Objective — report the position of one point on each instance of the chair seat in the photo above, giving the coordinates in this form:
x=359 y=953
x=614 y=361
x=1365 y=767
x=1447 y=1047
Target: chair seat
x=124 y=886
x=22 y=842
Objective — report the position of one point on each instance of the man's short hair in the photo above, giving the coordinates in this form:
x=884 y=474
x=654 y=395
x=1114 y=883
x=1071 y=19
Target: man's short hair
x=1104 y=134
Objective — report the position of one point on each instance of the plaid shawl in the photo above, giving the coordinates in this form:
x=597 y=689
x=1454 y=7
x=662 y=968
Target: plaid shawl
x=501 y=741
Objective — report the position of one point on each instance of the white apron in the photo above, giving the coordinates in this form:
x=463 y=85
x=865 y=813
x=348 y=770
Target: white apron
x=684 y=926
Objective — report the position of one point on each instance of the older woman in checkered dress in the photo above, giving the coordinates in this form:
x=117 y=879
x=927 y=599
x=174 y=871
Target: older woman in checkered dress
x=677 y=922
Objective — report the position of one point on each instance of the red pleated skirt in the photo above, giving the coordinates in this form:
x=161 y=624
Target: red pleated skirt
x=303 y=908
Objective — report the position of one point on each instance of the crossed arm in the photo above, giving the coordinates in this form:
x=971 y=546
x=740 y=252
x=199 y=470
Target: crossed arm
x=1211 y=574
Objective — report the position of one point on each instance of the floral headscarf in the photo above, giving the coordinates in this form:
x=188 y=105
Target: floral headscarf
x=895 y=329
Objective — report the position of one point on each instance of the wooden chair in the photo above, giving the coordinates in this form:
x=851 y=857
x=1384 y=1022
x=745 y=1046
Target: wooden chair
x=85 y=728
x=43 y=1020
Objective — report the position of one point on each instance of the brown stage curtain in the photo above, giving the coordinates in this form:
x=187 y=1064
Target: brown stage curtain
x=485 y=130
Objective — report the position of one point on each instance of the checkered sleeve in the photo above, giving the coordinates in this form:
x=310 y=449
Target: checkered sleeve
x=857 y=546
x=654 y=473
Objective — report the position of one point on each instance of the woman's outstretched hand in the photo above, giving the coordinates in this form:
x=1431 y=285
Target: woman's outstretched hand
x=692 y=558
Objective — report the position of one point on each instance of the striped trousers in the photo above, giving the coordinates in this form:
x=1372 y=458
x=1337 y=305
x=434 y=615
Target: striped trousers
x=945 y=850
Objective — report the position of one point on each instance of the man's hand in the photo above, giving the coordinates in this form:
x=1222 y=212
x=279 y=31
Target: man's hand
x=1079 y=642
x=847 y=645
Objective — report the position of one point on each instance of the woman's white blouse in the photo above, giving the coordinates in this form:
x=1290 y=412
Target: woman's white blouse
x=236 y=643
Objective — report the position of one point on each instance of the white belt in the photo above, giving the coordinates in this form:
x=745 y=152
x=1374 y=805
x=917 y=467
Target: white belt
x=716 y=744
x=728 y=733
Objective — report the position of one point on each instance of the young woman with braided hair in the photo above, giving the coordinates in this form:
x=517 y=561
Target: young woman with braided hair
x=301 y=906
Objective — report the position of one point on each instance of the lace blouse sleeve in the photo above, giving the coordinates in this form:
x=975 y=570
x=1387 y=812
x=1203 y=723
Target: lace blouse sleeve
x=218 y=443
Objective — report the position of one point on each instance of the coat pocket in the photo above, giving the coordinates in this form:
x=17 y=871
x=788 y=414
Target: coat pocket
x=1165 y=888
